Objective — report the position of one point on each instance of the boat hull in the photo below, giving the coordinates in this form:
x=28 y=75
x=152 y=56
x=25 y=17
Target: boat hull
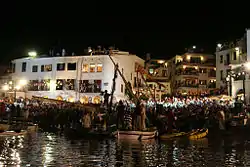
x=199 y=134
x=135 y=135
x=12 y=133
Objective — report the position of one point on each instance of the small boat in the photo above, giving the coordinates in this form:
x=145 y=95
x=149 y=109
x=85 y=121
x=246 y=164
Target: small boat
x=176 y=135
x=13 y=133
x=198 y=134
x=136 y=135
x=173 y=135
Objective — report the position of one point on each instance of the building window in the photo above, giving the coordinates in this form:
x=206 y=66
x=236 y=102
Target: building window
x=92 y=68
x=70 y=84
x=131 y=76
x=60 y=66
x=59 y=84
x=24 y=65
x=34 y=68
x=235 y=56
x=221 y=58
x=122 y=71
x=46 y=68
x=203 y=70
x=71 y=66
x=221 y=74
x=203 y=82
x=90 y=86
x=44 y=85
x=99 y=68
x=121 y=88
x=33 y=85
x=85 y=68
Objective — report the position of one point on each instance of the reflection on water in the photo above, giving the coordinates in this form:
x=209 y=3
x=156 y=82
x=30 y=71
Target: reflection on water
x=44 y=149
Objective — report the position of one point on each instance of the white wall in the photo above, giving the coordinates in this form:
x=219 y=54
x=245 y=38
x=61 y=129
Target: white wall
x=125 y=62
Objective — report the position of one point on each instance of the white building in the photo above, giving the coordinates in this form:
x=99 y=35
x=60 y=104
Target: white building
x=228 y=54
x=75 y=78
x=192 y=73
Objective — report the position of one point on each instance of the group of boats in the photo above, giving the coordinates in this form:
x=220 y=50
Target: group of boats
x=147 y=135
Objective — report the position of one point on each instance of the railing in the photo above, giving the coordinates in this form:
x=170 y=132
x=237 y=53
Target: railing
x=207 y=63
x=187 y=73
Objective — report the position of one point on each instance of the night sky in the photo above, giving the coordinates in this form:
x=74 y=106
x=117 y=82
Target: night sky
x=162 y=29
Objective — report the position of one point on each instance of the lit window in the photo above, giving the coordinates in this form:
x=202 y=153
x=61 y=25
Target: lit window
x=85 y=68
x=92 y=68
x=99 y=68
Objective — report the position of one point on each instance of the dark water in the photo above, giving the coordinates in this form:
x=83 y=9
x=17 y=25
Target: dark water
x=44 y=149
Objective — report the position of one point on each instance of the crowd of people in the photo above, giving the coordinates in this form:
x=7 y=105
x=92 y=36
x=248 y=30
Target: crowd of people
x=182 y=114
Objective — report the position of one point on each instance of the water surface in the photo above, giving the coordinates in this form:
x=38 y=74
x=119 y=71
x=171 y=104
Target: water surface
x=46 y=149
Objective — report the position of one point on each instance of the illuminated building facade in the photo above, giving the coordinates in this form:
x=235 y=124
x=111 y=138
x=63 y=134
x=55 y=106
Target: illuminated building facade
x=192 y=73
x=75 y=78
x=232 y=61
x=158 y=78
x=228 y=54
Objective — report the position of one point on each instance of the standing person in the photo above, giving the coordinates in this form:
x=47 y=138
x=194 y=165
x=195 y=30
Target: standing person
x=106 y=98
x=170 y=116
x=143 y=116
x=120 y=114
x=2 y=112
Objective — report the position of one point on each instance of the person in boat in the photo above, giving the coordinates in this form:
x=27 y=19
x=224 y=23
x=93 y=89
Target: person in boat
x=170 y=120
x=86 y=120
x=2 y=112
x=143 y=116
x=120 y=114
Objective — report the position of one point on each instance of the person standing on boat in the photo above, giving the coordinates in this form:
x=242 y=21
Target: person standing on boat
x=171 y=118
x=86 y=120
x=120 y=114
x=143 y=116
x=3 y=109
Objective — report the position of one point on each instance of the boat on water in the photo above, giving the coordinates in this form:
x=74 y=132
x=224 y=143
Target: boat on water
x=195 y=134
x=13 y=133
x=28 y=128
x=136 y=135
x=199 y=134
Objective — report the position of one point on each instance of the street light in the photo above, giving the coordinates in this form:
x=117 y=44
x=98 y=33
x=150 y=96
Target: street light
x=32 y=53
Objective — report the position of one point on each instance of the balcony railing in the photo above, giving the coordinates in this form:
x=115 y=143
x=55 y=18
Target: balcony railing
x=187 y=73
x=207 y=63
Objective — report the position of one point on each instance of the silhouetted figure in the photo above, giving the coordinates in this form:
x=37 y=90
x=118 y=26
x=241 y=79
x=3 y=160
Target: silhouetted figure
x=106 y=98
x=120 y=114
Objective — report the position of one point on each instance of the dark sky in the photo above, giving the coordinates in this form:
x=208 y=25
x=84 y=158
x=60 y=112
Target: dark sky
x=162 y=29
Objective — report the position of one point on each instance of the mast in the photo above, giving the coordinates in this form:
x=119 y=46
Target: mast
x=113 y=87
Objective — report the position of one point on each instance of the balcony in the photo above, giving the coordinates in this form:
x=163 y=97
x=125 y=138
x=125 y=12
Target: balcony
x=187 y=72
x=210 y=63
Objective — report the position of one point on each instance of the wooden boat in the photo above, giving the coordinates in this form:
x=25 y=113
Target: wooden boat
x=4 y=127
x=13 y=133
x=199 y=134
x=136 y=135
x=176 y=135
